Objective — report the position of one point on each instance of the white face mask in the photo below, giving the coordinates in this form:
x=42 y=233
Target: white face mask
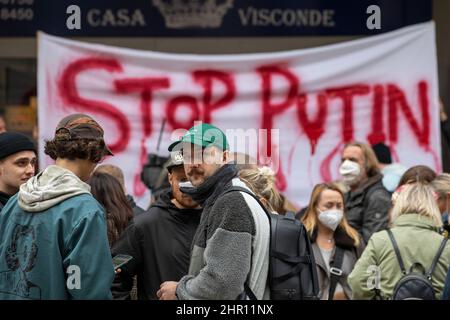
x=350 y=171
x=186 y=184
x=331 y=218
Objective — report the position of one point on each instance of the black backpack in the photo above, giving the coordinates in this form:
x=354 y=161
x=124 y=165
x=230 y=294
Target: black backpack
x=414 y=285
x=292 y=268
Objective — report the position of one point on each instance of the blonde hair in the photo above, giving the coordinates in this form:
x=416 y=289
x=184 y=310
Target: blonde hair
x=371 y=162
x=262 y=182
x=417 y=198
x=441 y=184
x=309 y=219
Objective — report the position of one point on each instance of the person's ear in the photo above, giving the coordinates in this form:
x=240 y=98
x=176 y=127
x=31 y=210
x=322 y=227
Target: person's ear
x=264 y=201
x=226 y=156
x=170 y=178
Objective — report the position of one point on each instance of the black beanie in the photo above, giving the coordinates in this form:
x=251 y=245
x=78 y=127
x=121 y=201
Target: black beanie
x=13 y=142
x=383 y=153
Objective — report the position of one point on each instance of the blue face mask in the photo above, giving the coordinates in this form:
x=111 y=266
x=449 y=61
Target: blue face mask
x=390 y=182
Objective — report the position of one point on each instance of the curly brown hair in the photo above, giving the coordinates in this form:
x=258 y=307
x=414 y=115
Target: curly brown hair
x=65 y=148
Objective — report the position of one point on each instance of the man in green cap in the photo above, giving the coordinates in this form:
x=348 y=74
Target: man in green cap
x=231 y=244
x=205 y=149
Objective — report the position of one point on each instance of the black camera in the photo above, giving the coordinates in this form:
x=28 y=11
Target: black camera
x=152 y=171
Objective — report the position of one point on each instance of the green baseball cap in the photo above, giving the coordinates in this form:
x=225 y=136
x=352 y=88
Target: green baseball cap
x=204 y=135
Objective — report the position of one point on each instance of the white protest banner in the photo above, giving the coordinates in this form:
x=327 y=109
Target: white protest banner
x=382 y=88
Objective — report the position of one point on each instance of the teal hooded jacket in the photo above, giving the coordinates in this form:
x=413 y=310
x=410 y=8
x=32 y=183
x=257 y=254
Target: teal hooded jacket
x=53 y=241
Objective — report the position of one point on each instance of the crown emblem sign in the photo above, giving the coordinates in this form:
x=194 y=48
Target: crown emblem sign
x=179 y=14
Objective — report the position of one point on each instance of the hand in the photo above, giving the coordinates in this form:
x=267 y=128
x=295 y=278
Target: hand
x=167 y=291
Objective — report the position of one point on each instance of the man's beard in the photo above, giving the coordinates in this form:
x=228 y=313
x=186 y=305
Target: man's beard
x=196 y=174
x=353 y=181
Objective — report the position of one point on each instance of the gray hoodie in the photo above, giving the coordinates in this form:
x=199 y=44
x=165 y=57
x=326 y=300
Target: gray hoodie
x=50 y=187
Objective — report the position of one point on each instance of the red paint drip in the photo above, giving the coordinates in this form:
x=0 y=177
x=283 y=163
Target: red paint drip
x=394 y=152
x=377 y=135
x=397 y=102
x=206 y=78
x=314 y=129
x=171 y=111
x=325 y=172
x=145 y=87
x=291 y=155
x=346 y=94
x=69 y=94
x=271 y=109
x=437 y=163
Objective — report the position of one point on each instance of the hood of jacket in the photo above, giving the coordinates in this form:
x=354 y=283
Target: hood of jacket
x=415 y=220
x=165 y=202
x=49 y=188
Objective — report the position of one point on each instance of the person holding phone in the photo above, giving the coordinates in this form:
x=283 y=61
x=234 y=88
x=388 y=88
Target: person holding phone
x=159 y=240
x=53 y=237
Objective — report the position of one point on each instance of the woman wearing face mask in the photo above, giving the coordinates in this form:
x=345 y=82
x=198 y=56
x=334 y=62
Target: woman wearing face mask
x=336 y=245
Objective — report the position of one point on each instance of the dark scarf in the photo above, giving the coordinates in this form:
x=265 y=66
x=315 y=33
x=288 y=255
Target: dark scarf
x=212 y=187
x=341 y=238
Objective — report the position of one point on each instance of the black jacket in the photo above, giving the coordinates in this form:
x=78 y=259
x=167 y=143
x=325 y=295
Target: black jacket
x=445 y=129
x=367 y=207
x=136 y=209
x=159 y=241
x=3 y=199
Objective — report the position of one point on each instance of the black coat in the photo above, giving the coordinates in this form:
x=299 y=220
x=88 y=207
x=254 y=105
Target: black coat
x=368 y=206
x=445 y=129
x=3 y=199
x=159 y=241
x=136 y=209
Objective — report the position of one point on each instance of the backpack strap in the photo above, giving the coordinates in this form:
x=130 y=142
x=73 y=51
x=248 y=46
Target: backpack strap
x=397 y=251
x=335 y=271
x=436 y=258
x=249 y=292
x=242 y=189
x=297 y=260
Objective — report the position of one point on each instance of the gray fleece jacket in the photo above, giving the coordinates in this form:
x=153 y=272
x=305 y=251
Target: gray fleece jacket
x=231 y=245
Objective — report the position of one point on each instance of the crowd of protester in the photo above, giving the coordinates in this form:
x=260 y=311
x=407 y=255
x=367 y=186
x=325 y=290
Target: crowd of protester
x=60 y=228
